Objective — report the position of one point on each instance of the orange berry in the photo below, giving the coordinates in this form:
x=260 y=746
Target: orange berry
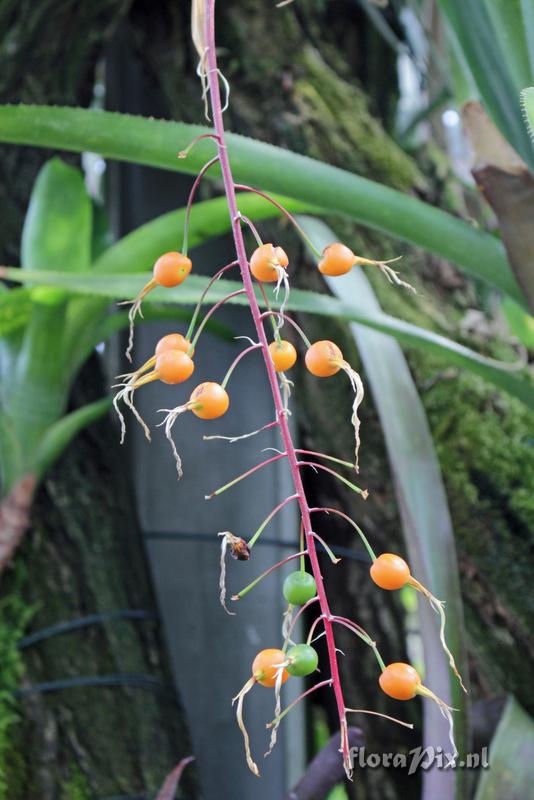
x=264 y=666
x=171 y=269
x=400 y=681
x=390 y=571
x=283 y=355
x=210 y=400
x=264 y=261
x=338 y=259
x=322 y=359
x=174 y=366
x=172 y=341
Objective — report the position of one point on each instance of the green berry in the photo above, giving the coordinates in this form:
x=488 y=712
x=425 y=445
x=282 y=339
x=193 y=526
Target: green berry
x=302 y=659
x=299 y=587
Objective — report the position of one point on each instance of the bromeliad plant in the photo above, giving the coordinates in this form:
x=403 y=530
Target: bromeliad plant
x=46 y=335
x=173 y=363
x=83 y=320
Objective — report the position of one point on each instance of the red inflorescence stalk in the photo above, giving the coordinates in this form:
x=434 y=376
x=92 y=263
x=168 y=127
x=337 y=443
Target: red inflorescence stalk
x=292 y=458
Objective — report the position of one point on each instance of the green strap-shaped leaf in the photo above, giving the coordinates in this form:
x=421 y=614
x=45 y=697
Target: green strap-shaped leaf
x=520 y=323
x=511 y=767
x=62 y=432
x=57 y=229
x=15 y=309
x=58 y=223
x=527 y=11
x=126 y=286
x=157 y=142
x=511 y=35
x=490 y=66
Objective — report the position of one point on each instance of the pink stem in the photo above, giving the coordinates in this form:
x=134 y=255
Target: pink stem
x=292 y=457
x=267 y=427
x=299 y=613
x=192 y=193
x=313 y=627
x=241 y=187
x=301 y=697
x=246 y=474
x=184 y=153
x=236 y=361
x=315 y=465
x=212 y=311
x=350 y=623
x=216 y=277
x=203 y=295
x=272 y=424
x=327 y=550
x=253 y=229
x=324 y=455
x=286 y=319
x=267 y=519
x=359 y=631
x=351 y=521
x=263 y=575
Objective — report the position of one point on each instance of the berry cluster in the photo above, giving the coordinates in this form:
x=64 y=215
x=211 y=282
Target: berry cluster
x=173 y=363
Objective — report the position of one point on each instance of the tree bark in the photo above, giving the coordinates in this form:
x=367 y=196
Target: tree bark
x=93 y=711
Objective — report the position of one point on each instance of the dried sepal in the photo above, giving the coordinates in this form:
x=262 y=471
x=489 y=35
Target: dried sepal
x=133 y=312
x=287 y=626
x=233 y=439
x=439 y=608
x=172 y=415
x=359 y=392
x=379 y=714
x=391 y=274
x=282 y=280
x=222 y=572
x=345 y=748
x=198 y=14
x=285 y=391
x=446 y=712
x=393 y=277
x=277 y=707
x=239 y=716
x=125 y=394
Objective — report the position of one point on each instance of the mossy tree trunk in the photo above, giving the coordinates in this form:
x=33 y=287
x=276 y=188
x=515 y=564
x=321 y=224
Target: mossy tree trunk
x=122 y=729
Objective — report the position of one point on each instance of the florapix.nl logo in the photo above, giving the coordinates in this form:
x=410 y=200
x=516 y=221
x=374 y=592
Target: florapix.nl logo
x=422 y=758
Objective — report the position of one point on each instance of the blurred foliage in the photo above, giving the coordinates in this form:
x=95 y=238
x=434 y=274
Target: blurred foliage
x=15 y=616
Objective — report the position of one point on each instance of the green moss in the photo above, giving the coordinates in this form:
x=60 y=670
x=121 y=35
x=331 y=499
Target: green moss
x=76 y=787
x=486 y=450
x=335 y=119
x=14 y=618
